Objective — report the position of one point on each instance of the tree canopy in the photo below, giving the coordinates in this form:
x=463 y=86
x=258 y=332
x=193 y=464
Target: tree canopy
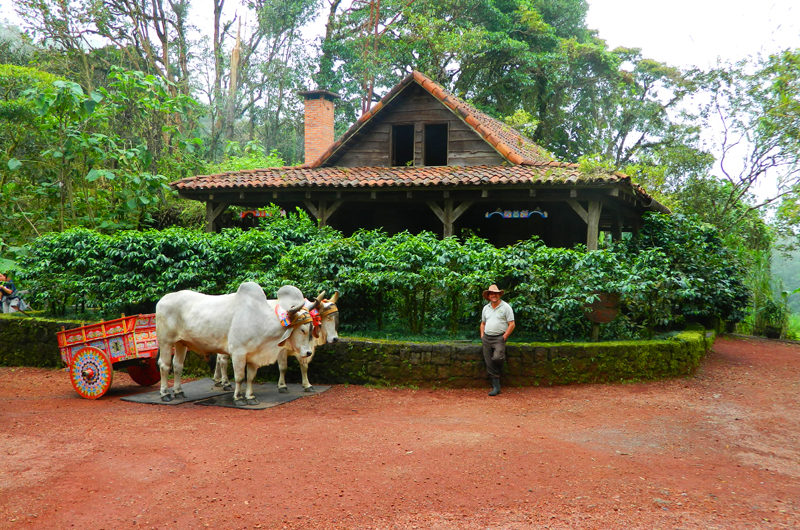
x=105 y=102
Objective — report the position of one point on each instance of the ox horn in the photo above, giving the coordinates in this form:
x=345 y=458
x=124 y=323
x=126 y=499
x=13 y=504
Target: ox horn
x=334 y=297
x=292 y=312
x=318 y=300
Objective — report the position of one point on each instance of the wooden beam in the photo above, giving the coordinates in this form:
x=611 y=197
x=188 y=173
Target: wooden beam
x=460 y=209
x=313 y=209
x=322 y=211
x=437 y=210
x=213 y=211
x=583 y=214
x=448 y=214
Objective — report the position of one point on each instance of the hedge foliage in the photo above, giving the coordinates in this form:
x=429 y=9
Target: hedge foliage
x=675 y=271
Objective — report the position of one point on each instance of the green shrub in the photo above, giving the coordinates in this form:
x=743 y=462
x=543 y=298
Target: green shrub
x=676 y=271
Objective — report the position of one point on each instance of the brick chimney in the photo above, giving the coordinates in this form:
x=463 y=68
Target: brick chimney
x=318 y=122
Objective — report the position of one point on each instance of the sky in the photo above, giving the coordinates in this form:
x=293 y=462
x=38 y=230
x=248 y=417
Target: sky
x=697 y=32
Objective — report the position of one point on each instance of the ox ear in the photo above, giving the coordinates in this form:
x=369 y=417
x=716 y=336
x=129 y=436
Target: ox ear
x=334 y=297
x=285 y=336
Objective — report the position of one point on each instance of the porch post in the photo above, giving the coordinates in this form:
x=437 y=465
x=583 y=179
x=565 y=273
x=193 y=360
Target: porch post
x=323 y=211
x=448 y=214
x=593 y=224
x=591 y=218
x=213 y=211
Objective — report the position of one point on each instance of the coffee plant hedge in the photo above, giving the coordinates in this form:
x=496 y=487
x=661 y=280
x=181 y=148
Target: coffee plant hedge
x=675 y=271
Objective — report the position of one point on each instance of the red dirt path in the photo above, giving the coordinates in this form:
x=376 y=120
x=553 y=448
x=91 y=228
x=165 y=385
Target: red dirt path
x=720 y=449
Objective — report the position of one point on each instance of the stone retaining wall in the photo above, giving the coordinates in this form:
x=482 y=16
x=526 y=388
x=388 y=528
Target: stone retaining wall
x=32 y=342
x=451 y=364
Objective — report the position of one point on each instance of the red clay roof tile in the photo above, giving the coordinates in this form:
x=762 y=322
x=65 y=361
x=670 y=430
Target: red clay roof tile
x=370 y=177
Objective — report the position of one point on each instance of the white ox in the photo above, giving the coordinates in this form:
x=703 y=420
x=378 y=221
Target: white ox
x=325 y=333
x=243 y=324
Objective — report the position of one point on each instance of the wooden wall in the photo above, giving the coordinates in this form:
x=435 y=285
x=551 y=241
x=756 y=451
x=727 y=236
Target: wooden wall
x=372 y=146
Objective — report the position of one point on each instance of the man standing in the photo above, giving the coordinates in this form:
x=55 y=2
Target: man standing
x=497 y=323
x=9 y=299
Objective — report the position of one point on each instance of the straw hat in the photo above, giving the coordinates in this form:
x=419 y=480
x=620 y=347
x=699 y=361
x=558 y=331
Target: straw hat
x=492 y=289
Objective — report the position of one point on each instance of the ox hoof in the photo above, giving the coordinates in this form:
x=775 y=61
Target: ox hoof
x=227 y=387
x=241 y=402
x=283 y=389
x=217 y=384
x=252 y=401
x=180 y=395
x=309 y=389
x=166 y=398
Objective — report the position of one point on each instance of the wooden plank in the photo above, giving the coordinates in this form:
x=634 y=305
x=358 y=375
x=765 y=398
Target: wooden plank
x=471 y=146
x=413 y=115
x=464 y=134
x=478 y=159
x=357 y=160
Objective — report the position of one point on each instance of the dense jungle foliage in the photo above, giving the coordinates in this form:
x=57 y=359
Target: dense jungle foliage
x=675 y=272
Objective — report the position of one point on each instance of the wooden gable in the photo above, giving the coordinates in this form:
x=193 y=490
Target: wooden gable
x=417 y=111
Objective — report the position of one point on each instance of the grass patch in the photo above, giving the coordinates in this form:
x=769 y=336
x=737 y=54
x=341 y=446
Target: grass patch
x=793 y=330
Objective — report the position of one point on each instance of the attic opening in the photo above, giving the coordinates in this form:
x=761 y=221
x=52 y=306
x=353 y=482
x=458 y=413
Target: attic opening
x=402 y=145
x=436 y=144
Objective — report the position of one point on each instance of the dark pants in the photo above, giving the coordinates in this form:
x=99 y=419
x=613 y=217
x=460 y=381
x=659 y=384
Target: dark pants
x=494 y=353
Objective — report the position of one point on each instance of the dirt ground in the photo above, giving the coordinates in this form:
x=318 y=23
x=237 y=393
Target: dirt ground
x=720 y=449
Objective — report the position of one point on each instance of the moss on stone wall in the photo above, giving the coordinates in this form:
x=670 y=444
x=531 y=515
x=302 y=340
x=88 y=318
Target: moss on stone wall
x=32 y=342
x=26 y=341
x=450 y=364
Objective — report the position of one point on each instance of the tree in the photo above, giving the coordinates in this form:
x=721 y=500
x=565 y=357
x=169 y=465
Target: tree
x=513 y=58
x=756 y=106
x=15 y=47
x=74 y=168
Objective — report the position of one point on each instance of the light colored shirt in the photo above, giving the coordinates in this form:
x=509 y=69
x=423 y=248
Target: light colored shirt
x=496 y=319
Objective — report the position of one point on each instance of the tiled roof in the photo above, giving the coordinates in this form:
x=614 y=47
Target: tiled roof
x=552 y=173
x=510 y=143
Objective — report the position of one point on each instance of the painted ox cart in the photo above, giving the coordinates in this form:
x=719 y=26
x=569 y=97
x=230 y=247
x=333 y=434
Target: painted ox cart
x=92 y=353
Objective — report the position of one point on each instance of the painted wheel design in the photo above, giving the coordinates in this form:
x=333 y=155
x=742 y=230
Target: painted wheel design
x=146 y=373
x=91 y=373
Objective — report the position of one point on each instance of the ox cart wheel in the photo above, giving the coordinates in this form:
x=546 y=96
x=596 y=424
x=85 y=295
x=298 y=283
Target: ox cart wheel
x=145 y=372
x=90 y=372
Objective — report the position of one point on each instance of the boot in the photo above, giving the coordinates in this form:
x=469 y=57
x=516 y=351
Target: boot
x=495 y=386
